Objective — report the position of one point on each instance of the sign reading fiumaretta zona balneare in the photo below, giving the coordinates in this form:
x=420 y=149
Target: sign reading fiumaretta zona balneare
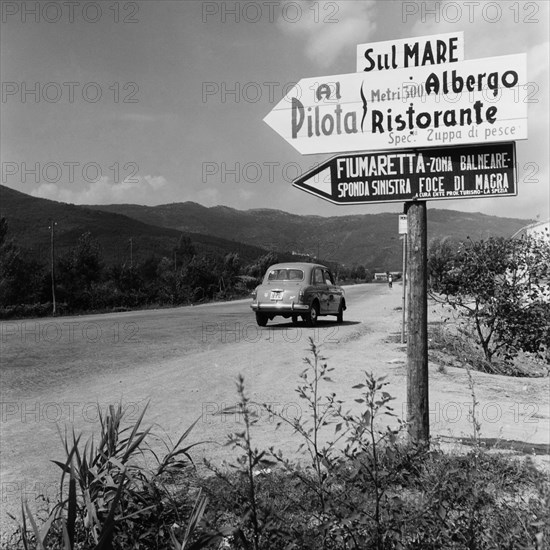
x=471 y=171
x=465 y=102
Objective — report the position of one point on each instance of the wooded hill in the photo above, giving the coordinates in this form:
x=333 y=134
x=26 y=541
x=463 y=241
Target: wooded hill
x=368 y=239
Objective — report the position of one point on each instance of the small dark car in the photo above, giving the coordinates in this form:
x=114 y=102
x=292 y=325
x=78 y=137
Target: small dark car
x=298 y=290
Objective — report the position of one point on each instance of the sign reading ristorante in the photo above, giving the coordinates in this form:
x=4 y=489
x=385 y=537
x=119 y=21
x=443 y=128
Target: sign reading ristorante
x=482 y=100
x=390 y=176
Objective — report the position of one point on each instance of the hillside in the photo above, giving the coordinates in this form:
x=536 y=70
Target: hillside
x=29 y=219
x=369 y=239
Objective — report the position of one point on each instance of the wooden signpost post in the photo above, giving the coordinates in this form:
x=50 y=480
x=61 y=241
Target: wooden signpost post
x=403 y=232
x=417 y=123
x=417 y=322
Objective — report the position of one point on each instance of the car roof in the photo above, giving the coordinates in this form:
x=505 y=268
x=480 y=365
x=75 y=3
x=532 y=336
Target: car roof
x=296 y=265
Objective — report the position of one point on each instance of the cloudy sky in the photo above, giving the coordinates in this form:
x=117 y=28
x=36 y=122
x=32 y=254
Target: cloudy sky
x=152 y=102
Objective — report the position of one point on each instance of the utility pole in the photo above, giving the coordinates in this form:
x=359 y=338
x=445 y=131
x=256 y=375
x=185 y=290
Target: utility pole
x=417 y=323
x=52 y=262
x=131 y=253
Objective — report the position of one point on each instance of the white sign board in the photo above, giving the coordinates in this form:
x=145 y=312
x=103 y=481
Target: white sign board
x=411 y=52
x=402 y=224
x=476 y=101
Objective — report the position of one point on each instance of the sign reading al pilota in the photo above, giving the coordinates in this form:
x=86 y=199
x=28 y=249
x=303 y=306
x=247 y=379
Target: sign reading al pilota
x=464 y=102
x=389 y=176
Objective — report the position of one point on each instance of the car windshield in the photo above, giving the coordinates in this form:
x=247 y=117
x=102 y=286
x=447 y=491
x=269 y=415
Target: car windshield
x=285 y=275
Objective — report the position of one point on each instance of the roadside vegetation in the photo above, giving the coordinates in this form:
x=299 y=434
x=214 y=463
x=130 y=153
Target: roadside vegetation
x=498 y=291
x=84 y=283
x=361 y=484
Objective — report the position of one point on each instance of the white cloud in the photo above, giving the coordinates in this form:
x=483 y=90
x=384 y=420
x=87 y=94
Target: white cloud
x=329 y=27
x=208 y=196
x=538 y=60
x=135 y=190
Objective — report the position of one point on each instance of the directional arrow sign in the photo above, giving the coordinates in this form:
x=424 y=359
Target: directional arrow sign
x=408 y=174
x=431 y=106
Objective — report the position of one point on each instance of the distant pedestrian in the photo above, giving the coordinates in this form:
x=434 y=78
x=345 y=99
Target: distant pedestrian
x=390 y=280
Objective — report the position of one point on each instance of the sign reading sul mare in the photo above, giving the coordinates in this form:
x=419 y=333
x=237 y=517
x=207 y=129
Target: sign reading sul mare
x=390 y=176
x=410 y=52
x=482 y=100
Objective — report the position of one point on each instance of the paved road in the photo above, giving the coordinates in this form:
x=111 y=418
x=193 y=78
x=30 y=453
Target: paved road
x=43 y=354
x=182 y=361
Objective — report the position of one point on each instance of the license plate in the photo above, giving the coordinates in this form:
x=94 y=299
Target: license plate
x=276 y=295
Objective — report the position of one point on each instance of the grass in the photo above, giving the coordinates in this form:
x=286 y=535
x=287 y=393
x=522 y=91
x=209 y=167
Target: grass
x=453 y=346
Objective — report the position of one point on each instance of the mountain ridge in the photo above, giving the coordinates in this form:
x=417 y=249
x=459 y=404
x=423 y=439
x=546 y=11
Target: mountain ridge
x=368 y=239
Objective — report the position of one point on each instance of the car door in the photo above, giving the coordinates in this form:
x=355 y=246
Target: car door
x=321 y=290
x=332 y=291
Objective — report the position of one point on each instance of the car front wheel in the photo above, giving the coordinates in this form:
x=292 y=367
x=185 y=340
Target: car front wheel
x=261 y=319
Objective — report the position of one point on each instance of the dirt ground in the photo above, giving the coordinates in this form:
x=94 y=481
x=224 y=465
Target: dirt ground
x=181 y=387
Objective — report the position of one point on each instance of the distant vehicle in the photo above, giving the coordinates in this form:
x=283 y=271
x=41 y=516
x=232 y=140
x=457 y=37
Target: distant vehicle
x=298 y=290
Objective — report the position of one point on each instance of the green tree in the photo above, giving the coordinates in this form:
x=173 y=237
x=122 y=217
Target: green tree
x=259 y=267
x=502 y=287
x=21 y=278
x=201 y=277
x=185 y=250
x=79 y=270
x=231 y=269
x=441 y=256
x=358 y=272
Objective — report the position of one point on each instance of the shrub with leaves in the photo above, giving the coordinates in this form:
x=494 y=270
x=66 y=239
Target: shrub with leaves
x=502 y=286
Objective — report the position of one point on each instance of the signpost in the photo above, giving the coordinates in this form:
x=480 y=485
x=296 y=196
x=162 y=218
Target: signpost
x=432 y=106
x=398 y=176
x=417 y=323
x=412 y=114
x=403 y=231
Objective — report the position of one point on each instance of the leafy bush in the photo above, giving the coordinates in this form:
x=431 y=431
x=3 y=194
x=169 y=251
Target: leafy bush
x=502 y=286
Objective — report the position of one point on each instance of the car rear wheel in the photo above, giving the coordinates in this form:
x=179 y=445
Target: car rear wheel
x=311 y=317
x=340 y=316
x=261 y=319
